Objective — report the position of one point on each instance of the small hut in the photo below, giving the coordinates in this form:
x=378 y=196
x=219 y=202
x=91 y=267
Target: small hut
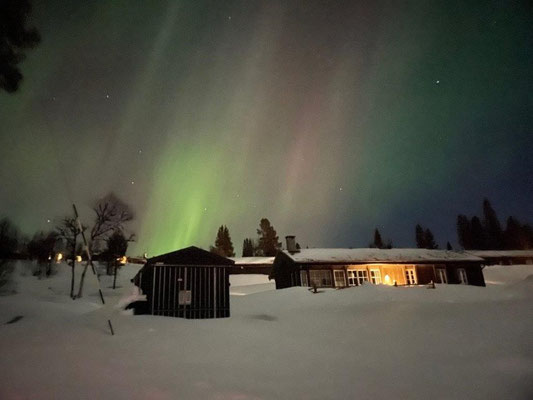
x=188 y=283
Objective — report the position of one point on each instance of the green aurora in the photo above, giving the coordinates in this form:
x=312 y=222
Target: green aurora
x=328 y=118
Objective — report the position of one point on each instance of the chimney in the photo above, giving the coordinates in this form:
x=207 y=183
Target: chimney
x=291 y=244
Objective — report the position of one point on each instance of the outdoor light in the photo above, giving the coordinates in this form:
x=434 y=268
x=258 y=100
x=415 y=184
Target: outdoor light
x=59 y=257
x=387 y=279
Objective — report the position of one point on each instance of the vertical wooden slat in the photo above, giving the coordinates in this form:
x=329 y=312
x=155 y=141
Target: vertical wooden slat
x=215 y=291
x=153 y=289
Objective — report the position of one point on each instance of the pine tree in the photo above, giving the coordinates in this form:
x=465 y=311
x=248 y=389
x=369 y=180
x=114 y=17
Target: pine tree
x=420 y=237
x=248 y=248
x=492 y=227
x=464 y=232
x=513 y=233
x=479 y=241
x=429 y=240
x=448 y=246
x=15 y=37
x=378 y=241
x=268 y=244
x=223 y=244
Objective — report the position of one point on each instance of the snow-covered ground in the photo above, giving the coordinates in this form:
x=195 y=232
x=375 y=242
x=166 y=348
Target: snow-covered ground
x=454 y=342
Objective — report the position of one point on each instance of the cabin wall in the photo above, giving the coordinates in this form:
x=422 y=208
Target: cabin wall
x=425 y=274
x=188 y=292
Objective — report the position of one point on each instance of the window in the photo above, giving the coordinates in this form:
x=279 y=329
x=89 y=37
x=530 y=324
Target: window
x=357 y=277
x=441 y=274
x=375 y=276
x=461 y=276
x=320 y=278
x=340 y=280
x=303 y=278
x=410 y=277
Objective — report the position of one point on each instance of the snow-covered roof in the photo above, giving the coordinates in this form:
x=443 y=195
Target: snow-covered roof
x=253 y=260
x=501 y=253
x=338 y=256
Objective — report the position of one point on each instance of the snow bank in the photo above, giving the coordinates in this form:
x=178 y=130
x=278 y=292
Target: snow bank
x=242 y=285
x=505 y=274
x=369 y=342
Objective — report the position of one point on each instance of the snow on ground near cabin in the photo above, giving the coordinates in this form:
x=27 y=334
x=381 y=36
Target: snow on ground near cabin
x=370 y=342
x=505 y=274
x=244 y=284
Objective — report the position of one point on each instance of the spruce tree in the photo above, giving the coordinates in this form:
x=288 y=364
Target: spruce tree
x=464 y=232
x=223 y=244
x=267 y=244
x=429 y=240
x=479 y=241
x=378 y=241
x=448 y=246
x=248 y=248
x=420 y=237
x=492 y=227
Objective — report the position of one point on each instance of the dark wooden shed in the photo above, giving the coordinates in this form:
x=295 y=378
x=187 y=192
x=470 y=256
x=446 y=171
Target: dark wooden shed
x=188 y=283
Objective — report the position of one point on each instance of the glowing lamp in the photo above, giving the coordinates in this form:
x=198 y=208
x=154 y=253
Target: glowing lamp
x=387 y=279
x=123 y=260
x=59 y=257
x=78 y=258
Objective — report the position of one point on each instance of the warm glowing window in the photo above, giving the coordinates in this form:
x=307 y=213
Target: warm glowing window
x=320 y=278
x=340 y=280
x=410 y=277
x=357 y=277
x=375 y=276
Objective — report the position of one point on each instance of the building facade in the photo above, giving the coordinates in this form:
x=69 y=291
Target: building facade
x=188 y=283
x=339 y=268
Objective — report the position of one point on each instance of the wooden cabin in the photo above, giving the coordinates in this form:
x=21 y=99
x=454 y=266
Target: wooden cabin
x=338 y=268
x=188 y=283
x=504 y=257
x=252 y=265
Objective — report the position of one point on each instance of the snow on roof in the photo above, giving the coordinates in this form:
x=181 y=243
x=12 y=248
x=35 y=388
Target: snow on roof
x=501 y=253
x=253 y=260
x=319 y=256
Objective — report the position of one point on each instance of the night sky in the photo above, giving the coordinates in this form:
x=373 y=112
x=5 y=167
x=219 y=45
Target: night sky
x=329 y=118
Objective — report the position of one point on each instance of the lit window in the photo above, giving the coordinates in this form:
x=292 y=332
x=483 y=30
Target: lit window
x=410 y=278
x=357 y=277
x=375 y=276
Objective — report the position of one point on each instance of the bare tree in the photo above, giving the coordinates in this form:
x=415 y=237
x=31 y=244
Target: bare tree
x=69 y=229
x=111 y=214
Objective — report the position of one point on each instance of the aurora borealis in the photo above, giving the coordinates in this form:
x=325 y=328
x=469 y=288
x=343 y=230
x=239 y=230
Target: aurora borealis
x=328 y=118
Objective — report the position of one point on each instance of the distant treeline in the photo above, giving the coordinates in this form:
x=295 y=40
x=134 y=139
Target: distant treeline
x=486 y=233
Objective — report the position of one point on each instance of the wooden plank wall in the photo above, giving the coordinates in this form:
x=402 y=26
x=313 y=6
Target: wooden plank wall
x=206 y=287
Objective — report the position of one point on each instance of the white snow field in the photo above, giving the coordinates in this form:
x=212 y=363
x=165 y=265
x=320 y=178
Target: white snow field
x=370 y=342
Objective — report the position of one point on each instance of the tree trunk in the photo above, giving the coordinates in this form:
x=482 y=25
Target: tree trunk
x=72 y=279
x=115 y=275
